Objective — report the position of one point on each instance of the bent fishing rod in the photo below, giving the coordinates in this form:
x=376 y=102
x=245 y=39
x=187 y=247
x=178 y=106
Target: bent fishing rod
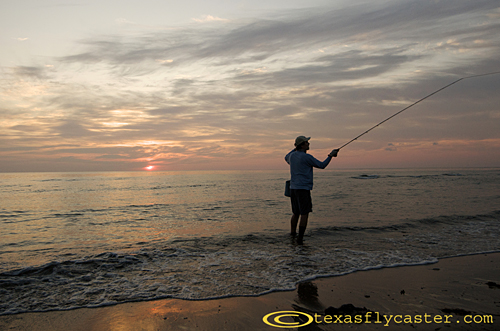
x=413 y=104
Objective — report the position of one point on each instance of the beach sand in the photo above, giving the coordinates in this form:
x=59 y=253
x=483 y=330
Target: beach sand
x=454 y=290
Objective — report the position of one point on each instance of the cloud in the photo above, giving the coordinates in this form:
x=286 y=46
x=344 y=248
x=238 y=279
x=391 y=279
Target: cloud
x=122 y=20
x=350 y=65
x=354 y=24
x=391 y=148
x=243 y=89
x=72 y=129
x=209 y=18
x=30 y=72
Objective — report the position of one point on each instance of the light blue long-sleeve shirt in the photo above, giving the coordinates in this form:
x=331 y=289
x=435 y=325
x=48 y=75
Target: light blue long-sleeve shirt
x=301 y=169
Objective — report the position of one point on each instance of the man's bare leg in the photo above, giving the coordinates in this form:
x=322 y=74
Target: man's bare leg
x=293 y=224
x=302 y=228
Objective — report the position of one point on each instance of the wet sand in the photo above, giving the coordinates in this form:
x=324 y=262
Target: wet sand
x=442 y=296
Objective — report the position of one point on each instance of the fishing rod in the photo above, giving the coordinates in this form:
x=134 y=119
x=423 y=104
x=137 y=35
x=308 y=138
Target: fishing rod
x=413 y=104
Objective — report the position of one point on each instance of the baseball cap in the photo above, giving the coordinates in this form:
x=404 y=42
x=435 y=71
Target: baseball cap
x=300 y=139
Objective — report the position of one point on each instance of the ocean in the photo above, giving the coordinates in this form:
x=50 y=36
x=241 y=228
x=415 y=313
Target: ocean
x=71 y=240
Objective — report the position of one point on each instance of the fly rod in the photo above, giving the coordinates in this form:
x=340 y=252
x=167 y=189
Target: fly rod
x=413 y=104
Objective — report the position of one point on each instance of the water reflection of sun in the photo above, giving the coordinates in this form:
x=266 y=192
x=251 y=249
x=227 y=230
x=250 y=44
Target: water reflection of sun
x=149 y=167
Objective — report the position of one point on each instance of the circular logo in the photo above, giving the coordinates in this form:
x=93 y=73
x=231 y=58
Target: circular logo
x=274 y=319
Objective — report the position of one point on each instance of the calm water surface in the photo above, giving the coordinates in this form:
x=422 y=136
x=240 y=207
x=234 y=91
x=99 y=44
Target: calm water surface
x=90 y=239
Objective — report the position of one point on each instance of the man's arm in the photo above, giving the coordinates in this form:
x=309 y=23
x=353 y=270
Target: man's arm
x=314 y=162
x=322 y=165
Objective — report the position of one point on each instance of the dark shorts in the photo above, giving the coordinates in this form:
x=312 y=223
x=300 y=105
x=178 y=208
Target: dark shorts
x=301 y=202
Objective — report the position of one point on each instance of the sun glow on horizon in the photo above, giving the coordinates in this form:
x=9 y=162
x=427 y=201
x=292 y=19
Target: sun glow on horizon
x=149 y=168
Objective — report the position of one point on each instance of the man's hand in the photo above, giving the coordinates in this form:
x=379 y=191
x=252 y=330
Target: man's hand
x=333 y=153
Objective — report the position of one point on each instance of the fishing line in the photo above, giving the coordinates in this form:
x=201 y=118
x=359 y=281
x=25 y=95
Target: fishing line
x=413 y=104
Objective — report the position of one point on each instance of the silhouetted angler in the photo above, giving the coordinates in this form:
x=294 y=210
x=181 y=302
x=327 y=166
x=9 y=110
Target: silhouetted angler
x=301 y=183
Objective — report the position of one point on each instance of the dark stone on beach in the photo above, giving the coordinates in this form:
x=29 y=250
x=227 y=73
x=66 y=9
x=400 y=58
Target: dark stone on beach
x=347 y=309
x=402 y=292
x=307 y=293
x=457 y=311
x=493 y=285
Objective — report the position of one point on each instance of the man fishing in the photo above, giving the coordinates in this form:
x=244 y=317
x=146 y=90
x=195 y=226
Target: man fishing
x=301 y=183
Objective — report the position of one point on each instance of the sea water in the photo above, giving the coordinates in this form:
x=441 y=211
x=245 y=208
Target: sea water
x=72 y=240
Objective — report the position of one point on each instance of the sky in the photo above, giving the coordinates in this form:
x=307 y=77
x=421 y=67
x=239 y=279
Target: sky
x=121 y=85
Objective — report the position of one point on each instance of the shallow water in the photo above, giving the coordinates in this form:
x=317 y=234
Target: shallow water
x=90 y=239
